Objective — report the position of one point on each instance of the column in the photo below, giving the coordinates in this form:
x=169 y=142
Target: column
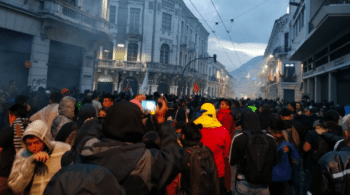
x=87 y=72
x=317 y=89
x=332 y=87
x=39 y=58
x=114 y=47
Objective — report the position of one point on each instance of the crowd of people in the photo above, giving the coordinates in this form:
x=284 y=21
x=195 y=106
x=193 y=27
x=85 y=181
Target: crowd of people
x=65 y=142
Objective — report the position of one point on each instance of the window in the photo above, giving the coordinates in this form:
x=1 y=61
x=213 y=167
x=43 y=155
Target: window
x=182 y=27
x=286 y=38
x=180 y=61
x=164 y=54
x=134 y=22
x=150 y=5
x=132 y=52
x=112 y=14
x=166 y=22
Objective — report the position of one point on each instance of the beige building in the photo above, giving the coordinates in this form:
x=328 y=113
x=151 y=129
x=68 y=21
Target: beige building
x=158 y=37
x=282 y=75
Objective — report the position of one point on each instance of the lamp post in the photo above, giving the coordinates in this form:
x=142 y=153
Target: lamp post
x=183 y=71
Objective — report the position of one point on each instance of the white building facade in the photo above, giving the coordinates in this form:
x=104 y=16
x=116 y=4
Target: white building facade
x=159 y=37
x=57 y=38
x=282 y=75
x=320 y=39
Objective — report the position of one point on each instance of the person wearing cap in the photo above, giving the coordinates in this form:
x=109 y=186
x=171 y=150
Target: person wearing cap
x=332 y=173
x=215 y=137
x=315 y=146
x=37 y=162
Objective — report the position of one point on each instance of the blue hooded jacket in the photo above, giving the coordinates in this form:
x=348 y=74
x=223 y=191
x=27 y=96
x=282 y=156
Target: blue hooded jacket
x=282 y=172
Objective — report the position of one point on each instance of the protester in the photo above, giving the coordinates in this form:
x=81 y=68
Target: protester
x=282 y=173
x=331 y=175
x=96 y=102
x=255 y=158
x=37 y=161
x=332 y=118
x=119 y=148
x=66 y=111
x=87 y=180
x=224 y=116
x=197 y=160
x=108 y=101
x=10 y=139
x=215 y=137
x=69 y=130
x=50 y=112
x=315 y=147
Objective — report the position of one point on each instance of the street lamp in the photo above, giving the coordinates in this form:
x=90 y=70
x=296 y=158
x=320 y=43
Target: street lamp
x=183 y=71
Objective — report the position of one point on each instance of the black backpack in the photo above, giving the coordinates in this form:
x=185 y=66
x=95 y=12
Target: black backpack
x=202 y=178
x=258 y=165
x=322 y=148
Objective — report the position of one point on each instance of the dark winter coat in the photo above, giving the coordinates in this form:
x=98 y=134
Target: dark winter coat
x=87 y=179
x=332 y=174
x=137 y=169
x=239 y=142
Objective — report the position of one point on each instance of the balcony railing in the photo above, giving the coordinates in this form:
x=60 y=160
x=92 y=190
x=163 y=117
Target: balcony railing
x=120 y=64
x=183 y=40
x=213 y=78
x=271 y=82
x=134 y=29
x=75 y=15
x=165 y=68
x=192 y=46
x=325 y=3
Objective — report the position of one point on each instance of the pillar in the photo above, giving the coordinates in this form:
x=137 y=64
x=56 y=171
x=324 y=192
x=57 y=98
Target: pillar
x=332 y=87
x=312 y=88
x=39 y=58
x=87 y=72
x=317 y=89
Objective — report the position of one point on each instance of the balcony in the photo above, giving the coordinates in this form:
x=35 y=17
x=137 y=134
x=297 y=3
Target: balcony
x=329 y=7
x=329 y=21
x=124 y=65
x=191 y=46
x=68 y=13
x=113 y=28
x=213 y=78
x=183 y=41
x=164 y=68
x=270 y=82
x=134 y=32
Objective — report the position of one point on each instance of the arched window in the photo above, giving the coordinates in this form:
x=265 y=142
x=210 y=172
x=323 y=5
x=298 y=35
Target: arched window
x=132 y=52
x=164 y=54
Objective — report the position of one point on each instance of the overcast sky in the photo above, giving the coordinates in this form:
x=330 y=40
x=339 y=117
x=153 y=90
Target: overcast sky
x=250 y=30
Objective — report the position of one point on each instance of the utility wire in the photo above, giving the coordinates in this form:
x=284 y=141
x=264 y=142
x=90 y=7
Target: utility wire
x=212 y=31
x=228 y=32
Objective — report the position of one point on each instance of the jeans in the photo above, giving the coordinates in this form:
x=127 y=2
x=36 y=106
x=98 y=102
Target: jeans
x=243 y=187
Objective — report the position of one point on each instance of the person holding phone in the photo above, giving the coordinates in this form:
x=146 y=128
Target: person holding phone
x=131 y=162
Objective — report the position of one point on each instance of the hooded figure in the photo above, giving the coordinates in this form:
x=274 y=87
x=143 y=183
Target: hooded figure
x=118 y=147
x=47 y=114
x=87 y=111
x=238 y=151
x=26 y=171
x=214 y=136
x=87 y=179
x=66 y=111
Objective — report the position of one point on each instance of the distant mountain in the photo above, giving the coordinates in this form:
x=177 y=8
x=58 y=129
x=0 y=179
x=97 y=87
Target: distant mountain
x=247 y=80
x=247 y=66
